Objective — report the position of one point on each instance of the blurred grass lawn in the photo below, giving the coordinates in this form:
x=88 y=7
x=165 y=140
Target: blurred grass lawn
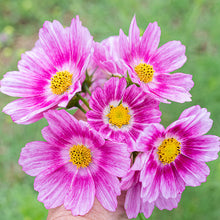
x=194 y=22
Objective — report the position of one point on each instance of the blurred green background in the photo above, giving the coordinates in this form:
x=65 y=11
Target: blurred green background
x=194 y=22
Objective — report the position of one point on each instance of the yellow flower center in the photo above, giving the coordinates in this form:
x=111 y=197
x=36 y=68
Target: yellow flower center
x=80 y=156
x=61 y=82
x=119 y=115
x=168 y=150
x=145 y=72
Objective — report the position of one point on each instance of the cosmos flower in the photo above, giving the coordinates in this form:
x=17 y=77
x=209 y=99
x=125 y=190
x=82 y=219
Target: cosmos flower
x=150 y=66
x=131 y=183
x=105 y=61
x=74 y=165
x=50 y=74
x=175 y=157
x=121 y=113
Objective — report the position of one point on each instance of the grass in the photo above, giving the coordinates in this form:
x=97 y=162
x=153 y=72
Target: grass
x=194 y=22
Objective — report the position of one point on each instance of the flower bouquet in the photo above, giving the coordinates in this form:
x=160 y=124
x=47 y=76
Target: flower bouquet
x=120 y=145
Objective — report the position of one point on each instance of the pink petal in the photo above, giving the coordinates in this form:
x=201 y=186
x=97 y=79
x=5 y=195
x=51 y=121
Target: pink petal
x=114 y=89
x=70 y=130
x=51 y=137
x=147 y=208
x=151 y=192
x=54 y=40
x=54 y=186
x=106 y=57
x=81 y=195
x=147 y=138
x=171 y=92
x=38 y=156
x=168 y=204
x=203 y=148
x=150 y=178
x=19 y=85
x=139 y=162
x=133 y=96
x=107 y=189
x=133 y=201
x=175 y=79
x=80 y=45
x=194 y=125
x=192 y=172
x=98 y=100
x=150 y=41
x=138 y=100
x=112 y=45
x=129 y=180
x=148 y=172
x=29 y=110
x=66 y=129
x=124 y=47
x=115 y=159
x=134 y=37
x=180 y=184
x=101 y=55
x=191 y=111
x=95 y=119
x=169 y=57
x=31 y=64
x=167 y=185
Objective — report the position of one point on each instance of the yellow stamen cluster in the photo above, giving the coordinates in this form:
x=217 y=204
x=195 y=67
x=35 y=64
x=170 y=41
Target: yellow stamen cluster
x=145 y=72
x=61 y=82
x=168 y=150
x=119 y=115
x=80 y=156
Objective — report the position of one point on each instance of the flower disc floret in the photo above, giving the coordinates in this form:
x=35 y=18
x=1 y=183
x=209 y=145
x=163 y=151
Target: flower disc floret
x=61 y=82
x=169 y=150
x=119 y=115
x=145 y=72
x=80 y=156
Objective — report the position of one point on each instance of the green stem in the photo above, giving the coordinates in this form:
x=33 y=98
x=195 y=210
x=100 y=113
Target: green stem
x=129 y=81
x=134 y=154
x=84 y=101
x=81 y=108
x=87 y=90
x=114 y=75
x=73 y=102
x=94 y=71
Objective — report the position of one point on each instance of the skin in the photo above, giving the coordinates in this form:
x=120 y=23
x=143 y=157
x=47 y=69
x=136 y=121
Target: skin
x=98 y=212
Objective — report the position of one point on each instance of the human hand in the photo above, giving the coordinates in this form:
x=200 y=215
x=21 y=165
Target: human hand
x=96 y=213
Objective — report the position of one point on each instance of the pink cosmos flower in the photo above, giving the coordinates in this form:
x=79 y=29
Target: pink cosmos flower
x=105 y=61
x=50 y=74
x=175 y=157
x=121 y=113
x=74 y=165
x=149 y=66
x=134 y=204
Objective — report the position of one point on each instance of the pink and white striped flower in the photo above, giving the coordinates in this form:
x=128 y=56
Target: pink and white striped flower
x=120 y=113
x=50 y=74
x=150 y=66
x=75 y=165
x=175 y=157
x=134 y=203
x=105 y=61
